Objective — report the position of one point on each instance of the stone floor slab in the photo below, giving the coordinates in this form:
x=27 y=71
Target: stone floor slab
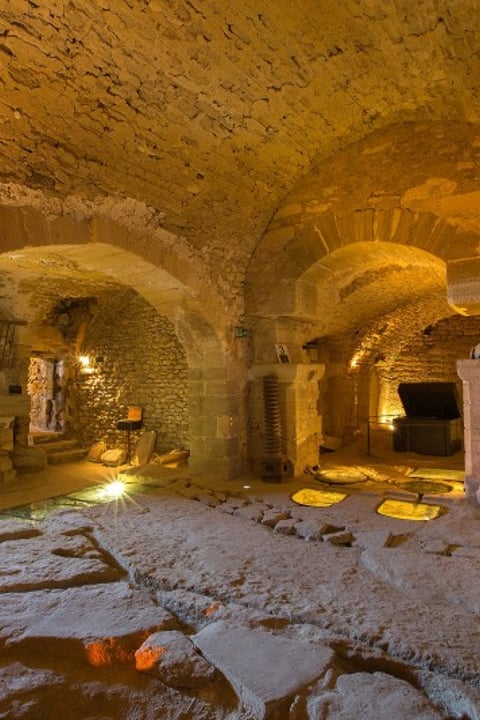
x=172 y=656
x=104 y=623
x=366 y=695
x=47 y=561
x=263 y=668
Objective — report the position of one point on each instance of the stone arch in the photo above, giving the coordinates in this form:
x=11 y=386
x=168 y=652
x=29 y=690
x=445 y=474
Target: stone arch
x=411 y=183
x=403 y=201
x=351 y=307
x=282 y=287
x=97 y=249
x=30 y=219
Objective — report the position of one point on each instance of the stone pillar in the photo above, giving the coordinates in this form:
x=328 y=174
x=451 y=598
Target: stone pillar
x=215 y=424
x=469 y=372
x=299 y=410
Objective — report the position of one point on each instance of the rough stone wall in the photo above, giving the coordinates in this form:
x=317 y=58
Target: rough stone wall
x=45 y=388
x=430 y=357
x=351 y=394
x=137 y=360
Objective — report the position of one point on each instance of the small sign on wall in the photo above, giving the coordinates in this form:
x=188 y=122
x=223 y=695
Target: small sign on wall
x=282 y=353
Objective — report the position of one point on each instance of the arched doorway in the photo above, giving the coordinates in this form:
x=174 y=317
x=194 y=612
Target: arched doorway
x=354 y=267
x=38 y=279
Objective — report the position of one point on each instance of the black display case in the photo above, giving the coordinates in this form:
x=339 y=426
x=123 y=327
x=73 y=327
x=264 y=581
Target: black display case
x=432 y=424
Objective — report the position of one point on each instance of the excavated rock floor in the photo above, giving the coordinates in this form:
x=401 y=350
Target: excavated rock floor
x=195 y=598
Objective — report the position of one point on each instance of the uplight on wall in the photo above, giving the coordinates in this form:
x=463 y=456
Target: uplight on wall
x=356 y=360
x=387 y=421
x=86 y=367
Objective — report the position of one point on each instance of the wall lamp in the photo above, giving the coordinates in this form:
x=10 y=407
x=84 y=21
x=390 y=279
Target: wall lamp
x=85 y=365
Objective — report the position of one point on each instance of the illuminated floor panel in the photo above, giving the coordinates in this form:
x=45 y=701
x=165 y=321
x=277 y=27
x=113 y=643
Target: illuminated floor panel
x=332 y=476
x=405 y=510
x=43 y=508
x=317 y=498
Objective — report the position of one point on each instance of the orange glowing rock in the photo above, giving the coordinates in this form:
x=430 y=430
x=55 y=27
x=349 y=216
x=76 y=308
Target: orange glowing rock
x=147 y=658
x=212 y=608
x=109 y=651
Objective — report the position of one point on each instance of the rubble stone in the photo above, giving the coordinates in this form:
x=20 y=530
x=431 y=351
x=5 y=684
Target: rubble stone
x=97 y=450
x=286 y=527
x=146 y=444
x=208 y=499
x=173 y=657
x=311 y=530
x=273 y=516
x=114 y=457
x=251 y=511
x=341 y=538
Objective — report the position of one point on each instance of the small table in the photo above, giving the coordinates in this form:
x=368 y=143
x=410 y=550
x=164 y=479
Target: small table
x=129 y=425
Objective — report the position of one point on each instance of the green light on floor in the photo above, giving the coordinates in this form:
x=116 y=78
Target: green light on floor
x=317 y=498
x=404 y=510
x=425 y=487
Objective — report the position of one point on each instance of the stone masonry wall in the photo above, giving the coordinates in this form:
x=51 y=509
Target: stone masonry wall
x=137 y=360
x=431 y=357
x=349 y=396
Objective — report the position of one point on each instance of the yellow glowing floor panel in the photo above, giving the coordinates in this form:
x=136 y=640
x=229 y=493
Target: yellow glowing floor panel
x=317 y=498
x=404 y=510
x=438 y=474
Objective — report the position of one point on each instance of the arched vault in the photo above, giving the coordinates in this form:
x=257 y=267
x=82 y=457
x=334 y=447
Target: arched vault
x=402 y=185
x=47 y=257
x=371 y=247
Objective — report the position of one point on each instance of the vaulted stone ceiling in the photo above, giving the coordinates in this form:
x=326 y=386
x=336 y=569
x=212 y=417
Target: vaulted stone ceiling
x=210 y=111
x=221 y=119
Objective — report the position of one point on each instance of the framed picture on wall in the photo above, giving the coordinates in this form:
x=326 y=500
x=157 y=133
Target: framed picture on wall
x=282 y=353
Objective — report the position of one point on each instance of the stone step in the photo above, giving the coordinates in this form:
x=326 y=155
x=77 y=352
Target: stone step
x=59 y=445
x=42 y=436
x=66 y=456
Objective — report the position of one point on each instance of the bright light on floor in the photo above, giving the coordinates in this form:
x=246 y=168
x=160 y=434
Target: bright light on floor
x=115 y=489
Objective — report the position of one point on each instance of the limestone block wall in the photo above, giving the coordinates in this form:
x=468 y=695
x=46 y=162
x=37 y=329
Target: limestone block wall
x=430 y=357
x=136 y=360
x=469 y=372
x=13 y=411
x=350 y=394
x=16 y=405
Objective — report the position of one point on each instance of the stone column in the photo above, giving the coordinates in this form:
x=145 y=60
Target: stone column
x=469 y=372
x=216 y=405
